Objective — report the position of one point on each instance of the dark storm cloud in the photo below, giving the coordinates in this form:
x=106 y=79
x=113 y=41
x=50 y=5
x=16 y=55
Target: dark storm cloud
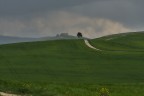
x=49 y=17
x=17 y=7
x=129 y=12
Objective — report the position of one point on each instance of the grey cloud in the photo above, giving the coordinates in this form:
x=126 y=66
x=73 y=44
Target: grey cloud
x=59 y=22
x=25 y=7
x=48 y=17
x=129 y=12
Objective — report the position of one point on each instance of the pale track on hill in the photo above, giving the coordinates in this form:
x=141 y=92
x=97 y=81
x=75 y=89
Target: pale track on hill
x=7 y=94
x=90 y=46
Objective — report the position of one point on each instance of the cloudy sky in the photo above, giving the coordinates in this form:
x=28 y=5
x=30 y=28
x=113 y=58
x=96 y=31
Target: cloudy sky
x=94 y=18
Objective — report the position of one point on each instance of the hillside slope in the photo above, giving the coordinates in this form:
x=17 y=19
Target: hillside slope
x=69 y=61
x=121 y=42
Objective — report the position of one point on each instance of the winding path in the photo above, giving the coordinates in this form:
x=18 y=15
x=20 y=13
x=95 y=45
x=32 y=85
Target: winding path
x=90 y=46
x=6 y=94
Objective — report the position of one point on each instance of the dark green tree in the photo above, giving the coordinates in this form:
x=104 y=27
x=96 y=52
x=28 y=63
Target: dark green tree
x=79 y=35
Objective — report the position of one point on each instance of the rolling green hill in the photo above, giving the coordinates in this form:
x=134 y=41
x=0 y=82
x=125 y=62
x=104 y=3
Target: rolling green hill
x=72 y=62
x=121 y=42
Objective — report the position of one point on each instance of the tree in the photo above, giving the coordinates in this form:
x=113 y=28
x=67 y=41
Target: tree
x=79 y=35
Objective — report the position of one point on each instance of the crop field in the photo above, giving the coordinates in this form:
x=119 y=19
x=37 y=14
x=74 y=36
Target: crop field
x=70 y=68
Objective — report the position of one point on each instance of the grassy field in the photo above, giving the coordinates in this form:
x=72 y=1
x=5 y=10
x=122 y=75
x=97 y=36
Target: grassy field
x=121 y=42
x=70 y=68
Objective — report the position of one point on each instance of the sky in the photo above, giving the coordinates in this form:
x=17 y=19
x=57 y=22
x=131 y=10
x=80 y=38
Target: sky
x=93 y=18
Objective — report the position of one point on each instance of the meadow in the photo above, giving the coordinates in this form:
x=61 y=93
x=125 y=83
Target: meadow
x=70 y=68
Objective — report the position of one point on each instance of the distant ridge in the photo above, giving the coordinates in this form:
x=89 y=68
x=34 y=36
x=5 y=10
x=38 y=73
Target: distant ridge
x=59 y=36
x=10 y=39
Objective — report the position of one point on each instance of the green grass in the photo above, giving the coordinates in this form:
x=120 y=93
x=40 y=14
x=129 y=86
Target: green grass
x=70 y=68
x=121 y=42
x=71 y=89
